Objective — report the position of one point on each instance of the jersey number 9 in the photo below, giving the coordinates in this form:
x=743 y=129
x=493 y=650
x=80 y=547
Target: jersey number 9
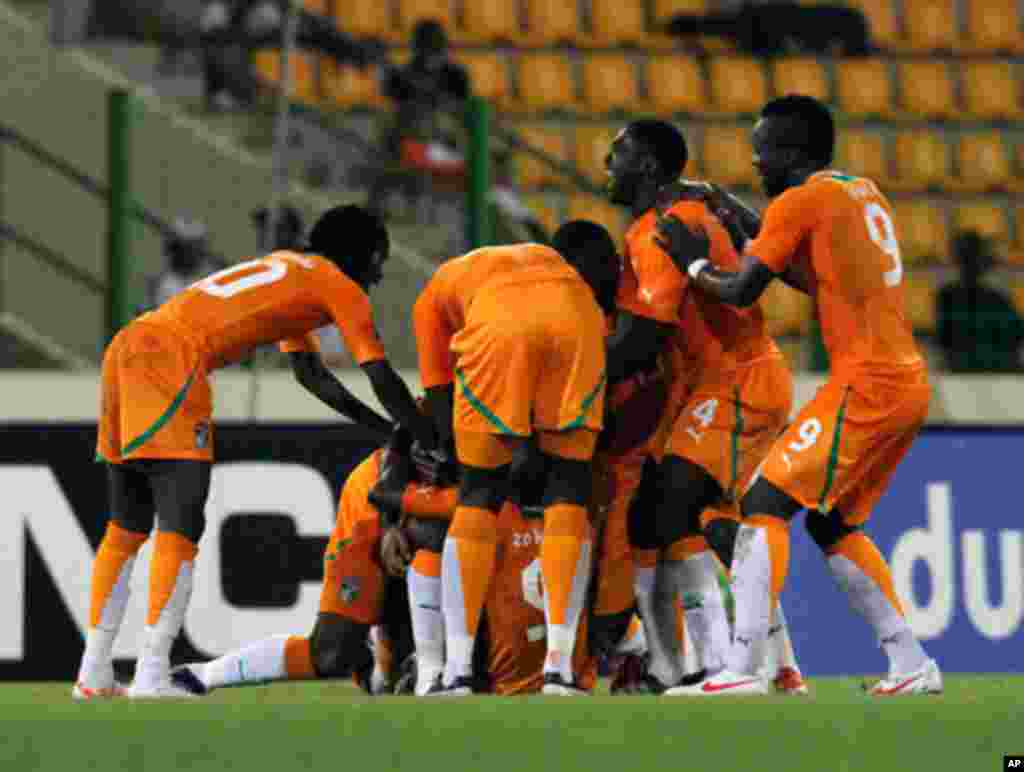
x=883 y=233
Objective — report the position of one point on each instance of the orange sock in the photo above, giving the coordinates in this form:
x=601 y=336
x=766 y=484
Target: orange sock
x=427 y=563
x=119 y=545
x=474 y=532
x=298 y=659
x=858 y=548
x=566 y=534
x=170 y=552
x=686 y=547
x=777 y=532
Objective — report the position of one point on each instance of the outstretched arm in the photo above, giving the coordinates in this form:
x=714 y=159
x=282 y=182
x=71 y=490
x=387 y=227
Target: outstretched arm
x=394 y=395
x=310 y=371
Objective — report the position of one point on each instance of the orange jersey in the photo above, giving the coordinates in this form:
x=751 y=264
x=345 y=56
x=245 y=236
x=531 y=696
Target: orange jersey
x=713 y=336
x=838 y=231
x=440 y=311
x=281 y=298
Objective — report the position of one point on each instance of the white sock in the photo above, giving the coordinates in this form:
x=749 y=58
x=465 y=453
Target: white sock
x=562 y=638
x=97 y=669
x=427 y=627
x=458 y=642
x=635 y=644
x=751 y=590
x=696 y=580
x=661 y=664
x=255 y=663
x=780 y=642
x=891 y=628
x=691 y=659
x=154 y=662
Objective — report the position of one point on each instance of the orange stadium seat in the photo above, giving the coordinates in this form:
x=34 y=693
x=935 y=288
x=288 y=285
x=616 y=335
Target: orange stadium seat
x=738 y=85
x=991 y=90
x=883 y=20
x=586 y=207
x=801 y=75
x=609 y=83
x=726 y=157
x=864 y=87
x=592 y=146
x=922 y=230
x=491 y=22
x=550 y=216
x=365 y=19
x=488 y=74
x=675 y=84
x=412 y=11
x=663 y=10
x=786 y=311
x=546 y=82
x=350 y=87
x=863 y=153
x=983 y=163
x=919 y=301
x=551 y=21
x=986 y=218
x=532 y=172
x=993 y=26
x=927 y=89
x=304 y=81
x=320 y=7
x=617 y=21
x=1017 y=293
x=931 y=25
x=921 y=161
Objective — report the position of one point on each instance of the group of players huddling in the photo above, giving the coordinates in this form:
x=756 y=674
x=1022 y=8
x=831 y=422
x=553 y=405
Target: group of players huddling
x=603 y=452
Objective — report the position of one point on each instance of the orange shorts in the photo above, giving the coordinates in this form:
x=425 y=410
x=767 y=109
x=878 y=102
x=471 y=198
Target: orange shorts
x=530 y=357
x=842 y=448
x=728 y=425
x=489 y=451
x=156 y=398
x=353 y=576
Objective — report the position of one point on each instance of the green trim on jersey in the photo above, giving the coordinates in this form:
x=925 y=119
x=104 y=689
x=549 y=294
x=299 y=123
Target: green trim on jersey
x=159 y=424
x=588 y=403
x=481 y=408
x=833 y=453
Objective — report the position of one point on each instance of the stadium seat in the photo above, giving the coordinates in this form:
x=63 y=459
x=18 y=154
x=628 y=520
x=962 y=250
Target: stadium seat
x=801 y=75
x=883 y=20
x=617 y=22
x=991 y=90
x=551 y=21
x=1017 y=293
x=864 y=87
x=919 y=301
x=346 y=87
x=550 y=216
x=927 y=89
x=609 y=83
x=592 y=146
x=366 y=19
x=491 y=22
x=675 y=84
x=664 y=10
x=586 y=207
x=986 y=218
x=862 y=153
x=983 y=163
x=319 y=7
x=488 y=75
x=412 y=11
x=532 y=172
x=305 y=86
x=738 y=85
x=993 y=26
x=786 y=311
x=931 y=25
x=923 y=234
x=921 y=161
x=546 y=83
x=727 y=157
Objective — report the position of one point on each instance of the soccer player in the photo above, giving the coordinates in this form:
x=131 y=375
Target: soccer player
x=155 y=433
x=735 y=403
x=833 y=235
x=521 y=328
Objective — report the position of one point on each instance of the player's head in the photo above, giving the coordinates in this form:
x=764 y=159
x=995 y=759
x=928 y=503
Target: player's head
x=645 y=152
x=588 y=248
x=430 y=42
x=973 y=254
x=794 y=138
x=185 y=246
x=353 y=239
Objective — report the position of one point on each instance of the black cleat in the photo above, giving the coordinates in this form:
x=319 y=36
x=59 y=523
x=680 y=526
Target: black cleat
x=556 y=686
x=460 y=687
x=184 y=678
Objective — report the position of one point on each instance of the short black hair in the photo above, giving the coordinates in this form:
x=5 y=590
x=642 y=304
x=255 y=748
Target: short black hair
x=590 y=249
x=666 y=143
x=819 y=135
x=348 y=236
x=429 y=35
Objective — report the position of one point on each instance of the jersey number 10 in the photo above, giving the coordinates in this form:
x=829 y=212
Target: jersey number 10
x=883 y=233
x=242 y=277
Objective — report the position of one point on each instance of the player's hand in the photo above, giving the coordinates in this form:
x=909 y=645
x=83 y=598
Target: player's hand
x=682 y=244
x=395 y=552
x=433 y=467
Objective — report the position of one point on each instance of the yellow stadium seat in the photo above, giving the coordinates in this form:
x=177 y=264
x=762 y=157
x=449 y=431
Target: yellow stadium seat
x=549 y=216
x=922 y=231
x=488 y=74
x=592 y=146
x=491 y=22
x=664 y=10
x=927 y=88
x=986 y=218
x=1017 y=293
x=609 y=83
x=738 y=85
x=617 y=21
x=586 y=207
x=921 y=161
x=366 y=19
x=864 y=87
x=863 y=153
x=349 y=87
x=550 y=21
x=883 y=20
x=412 y=11
x=546 y=83
x=993 y=26
x=727 y=157
x=991 y=90
x=801 y=75
x=675 y=84
x=304 y=82
x=983 y=163
x=531 y=172
x=786 y=311
x=919 y=302
x=319 y=7
x=931 y=25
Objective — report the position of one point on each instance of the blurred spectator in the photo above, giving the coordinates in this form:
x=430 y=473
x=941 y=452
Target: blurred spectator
x=188 y=261
x=978 y=327
x=227 y=80
x=288 y=228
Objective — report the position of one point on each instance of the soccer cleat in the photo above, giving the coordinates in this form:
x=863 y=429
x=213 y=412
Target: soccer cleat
x=82 y=692
x=184 y=677
x=789 y=681
x=460 y=687
x=556 y=686
x=925 y=680
x=723 y=684
x=162 y=690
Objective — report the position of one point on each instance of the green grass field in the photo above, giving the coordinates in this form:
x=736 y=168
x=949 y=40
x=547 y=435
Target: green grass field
x=287 y=727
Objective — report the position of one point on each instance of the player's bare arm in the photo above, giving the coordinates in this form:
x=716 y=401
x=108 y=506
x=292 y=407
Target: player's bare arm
x=310 y=371
x=396 y=398
x=636 y=343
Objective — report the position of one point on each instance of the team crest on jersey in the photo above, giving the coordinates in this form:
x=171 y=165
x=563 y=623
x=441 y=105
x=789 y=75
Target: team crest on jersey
x=350 y=587
x=202 y=434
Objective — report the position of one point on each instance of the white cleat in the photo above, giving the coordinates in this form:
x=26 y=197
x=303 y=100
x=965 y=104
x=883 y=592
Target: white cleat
x=162 y=690
x=723 y=684
x=925 y=680
x=81 y=692
x=460 y=687
x=556 y=686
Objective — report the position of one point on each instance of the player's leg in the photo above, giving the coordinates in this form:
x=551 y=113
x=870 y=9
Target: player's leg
x=424 y=582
